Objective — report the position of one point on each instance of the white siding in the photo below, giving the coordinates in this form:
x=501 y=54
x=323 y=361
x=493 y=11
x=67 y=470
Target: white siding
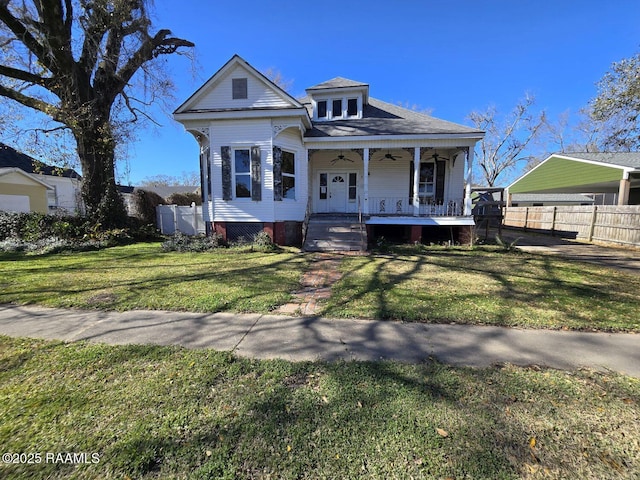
x=242 y=134
x=389 y=178
x=258 y=93
x=287 y=209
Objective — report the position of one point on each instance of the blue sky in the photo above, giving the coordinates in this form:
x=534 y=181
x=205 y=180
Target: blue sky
x=451 y=57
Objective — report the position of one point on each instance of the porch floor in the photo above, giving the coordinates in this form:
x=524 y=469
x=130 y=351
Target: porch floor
x=442 y=221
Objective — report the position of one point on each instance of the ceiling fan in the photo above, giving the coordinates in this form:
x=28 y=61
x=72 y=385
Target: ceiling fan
x=388 y=156
x=341 y=157
x=435 y=157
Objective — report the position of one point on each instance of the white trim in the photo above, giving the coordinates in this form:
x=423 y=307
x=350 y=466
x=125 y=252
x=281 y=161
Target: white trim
x=210 y=115
x=407 y=137
x=427 y=221
x=221 y=73
x=8 y=170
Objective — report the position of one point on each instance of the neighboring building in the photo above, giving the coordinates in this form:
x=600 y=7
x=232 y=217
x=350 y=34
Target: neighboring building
x=21 y=192
x=269 y=160
x=549 y=199
x=64 y=196
x=612 y=176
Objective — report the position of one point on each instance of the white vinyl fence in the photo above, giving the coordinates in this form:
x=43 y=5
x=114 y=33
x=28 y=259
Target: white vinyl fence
x=172 y=218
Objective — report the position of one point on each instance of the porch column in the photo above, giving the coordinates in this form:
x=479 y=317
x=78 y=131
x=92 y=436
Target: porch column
x=467 y=189
x=365 y=158
x=623 y=190
x=416 y=181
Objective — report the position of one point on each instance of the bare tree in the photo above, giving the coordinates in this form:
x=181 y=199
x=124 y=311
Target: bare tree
x=616 y=108
x=566 y=134
x=505 y=140
x=276 y=77
x=78 y=62
x=187 y=178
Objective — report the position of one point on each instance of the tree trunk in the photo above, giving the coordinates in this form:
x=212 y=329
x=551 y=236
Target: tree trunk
x=96 y=149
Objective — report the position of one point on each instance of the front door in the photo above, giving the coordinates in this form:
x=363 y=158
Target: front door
x=338 y=192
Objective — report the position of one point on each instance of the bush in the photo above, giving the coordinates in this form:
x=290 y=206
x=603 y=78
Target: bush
x=184 y=199
x=145 y=203
x=40 y=233
x=179 y=242
x=262 y=241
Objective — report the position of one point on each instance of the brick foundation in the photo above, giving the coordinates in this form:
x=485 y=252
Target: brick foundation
x=416 y=234
x=281 y=233
x=220 y=228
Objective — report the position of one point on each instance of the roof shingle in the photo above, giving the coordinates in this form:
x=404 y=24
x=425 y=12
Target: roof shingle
x=382 y=118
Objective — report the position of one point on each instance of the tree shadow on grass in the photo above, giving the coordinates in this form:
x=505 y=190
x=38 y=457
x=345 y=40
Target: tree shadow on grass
x=572 y=293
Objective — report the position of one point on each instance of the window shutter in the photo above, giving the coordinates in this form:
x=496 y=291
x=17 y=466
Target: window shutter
x=256 y=174
x=277 y=174
x=225 y=153
x=440 y=171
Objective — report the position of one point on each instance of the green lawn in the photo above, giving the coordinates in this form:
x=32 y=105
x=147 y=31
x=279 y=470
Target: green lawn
x=165 y=412
x=141 y=276
x=425 y=284
x=486 y=285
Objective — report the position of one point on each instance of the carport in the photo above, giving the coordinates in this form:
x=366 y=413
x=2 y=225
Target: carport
x=585 y=173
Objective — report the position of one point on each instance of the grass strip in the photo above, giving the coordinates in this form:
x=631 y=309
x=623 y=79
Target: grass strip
x=166 y=412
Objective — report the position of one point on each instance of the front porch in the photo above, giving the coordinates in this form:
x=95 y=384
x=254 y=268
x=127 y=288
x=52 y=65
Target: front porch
x=416 y=182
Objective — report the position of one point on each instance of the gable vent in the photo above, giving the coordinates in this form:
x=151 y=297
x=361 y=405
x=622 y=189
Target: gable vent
x=239 y=86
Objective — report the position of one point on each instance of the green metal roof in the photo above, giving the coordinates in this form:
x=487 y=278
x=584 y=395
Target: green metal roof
x=561 y=174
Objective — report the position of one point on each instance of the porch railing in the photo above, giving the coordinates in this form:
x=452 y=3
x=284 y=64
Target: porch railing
x=404 y=206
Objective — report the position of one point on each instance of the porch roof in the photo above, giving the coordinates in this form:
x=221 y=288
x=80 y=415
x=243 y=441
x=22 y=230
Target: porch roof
x=382 y=118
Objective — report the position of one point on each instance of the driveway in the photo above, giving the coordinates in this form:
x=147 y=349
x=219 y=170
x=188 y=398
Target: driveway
x=623 y=259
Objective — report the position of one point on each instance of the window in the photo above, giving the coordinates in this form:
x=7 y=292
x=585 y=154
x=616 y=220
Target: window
x=323 y=186
x=322 y=109
x=337 y=108
x=242 y=169
x=353 y=178
x=352 y=107
x=239 y=87
x=288 y=175
x=426 y=185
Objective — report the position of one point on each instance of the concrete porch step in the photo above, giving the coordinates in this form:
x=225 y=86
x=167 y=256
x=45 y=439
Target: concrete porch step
x=334 y=233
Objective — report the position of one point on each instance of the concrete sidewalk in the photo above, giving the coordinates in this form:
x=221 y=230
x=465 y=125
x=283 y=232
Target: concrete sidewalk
x=314 y=338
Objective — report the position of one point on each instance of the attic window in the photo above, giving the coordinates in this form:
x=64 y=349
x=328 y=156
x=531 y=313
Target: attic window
x=352 y=107
x=337 y=108
x=239 y=87
x=322 y=109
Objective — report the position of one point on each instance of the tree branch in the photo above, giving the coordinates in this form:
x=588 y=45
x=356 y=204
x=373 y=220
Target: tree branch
x=35 y=103
x=21 y=32
x=25 y=76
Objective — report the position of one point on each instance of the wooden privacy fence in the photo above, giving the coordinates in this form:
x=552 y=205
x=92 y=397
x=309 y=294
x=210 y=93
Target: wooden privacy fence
x=603 y=223
x=172 y=218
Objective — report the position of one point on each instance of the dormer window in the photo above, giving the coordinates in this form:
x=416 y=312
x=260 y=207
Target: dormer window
x=352 y=107
x=337 y=108
x=239 y=88
x=334 y=108
x=322 y=109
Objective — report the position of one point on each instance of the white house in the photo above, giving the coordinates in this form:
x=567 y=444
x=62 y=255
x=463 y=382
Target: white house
x=270 y=161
